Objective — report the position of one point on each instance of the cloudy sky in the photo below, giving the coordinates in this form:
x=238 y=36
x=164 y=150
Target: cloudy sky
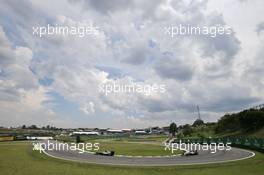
x=54 y=79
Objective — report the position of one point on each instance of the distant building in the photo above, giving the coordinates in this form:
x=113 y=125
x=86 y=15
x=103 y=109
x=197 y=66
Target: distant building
x=166 y=130
x=102 y=131
x=127 y=130
x=85 y=133
x=115 y=131
x=140 y=132
x=39 y=138
x=156 y=130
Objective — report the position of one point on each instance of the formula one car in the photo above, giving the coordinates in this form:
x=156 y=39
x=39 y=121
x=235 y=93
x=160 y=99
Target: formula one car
x=190 y=153
x=105 y=153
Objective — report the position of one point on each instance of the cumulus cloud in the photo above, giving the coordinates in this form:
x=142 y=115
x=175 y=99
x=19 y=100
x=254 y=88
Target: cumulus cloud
x=260 y=27
x=131 y=45
x=171 y=66
x=88 y=108
x=16 y=75
x=21 y=97
x=107 y=6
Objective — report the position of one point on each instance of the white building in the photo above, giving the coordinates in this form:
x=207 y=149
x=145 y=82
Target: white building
x=85 y=133
x=39 y=138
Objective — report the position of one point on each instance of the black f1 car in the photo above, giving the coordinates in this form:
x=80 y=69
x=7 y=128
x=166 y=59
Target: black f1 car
x=190 y=153
x=105 y=153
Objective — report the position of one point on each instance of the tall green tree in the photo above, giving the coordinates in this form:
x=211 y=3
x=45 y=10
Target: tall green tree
x=173 y=129
x=78 y=139
x=198 y=122
x=187 y=130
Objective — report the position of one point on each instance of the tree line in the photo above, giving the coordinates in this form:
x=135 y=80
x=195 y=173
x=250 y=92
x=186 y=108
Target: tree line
x=249 y=120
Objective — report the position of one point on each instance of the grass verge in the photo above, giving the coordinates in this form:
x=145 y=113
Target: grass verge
x=17 y=158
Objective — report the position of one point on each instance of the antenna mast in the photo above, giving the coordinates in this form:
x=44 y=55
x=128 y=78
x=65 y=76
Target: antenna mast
x=198 y=109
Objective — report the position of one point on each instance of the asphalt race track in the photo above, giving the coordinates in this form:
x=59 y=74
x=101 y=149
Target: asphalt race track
x=204 y=157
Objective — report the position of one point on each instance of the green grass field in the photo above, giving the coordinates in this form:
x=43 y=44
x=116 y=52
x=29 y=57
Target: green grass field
x=135 y=149
x=130 y=146
x=149 y=138
x=17 y=158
